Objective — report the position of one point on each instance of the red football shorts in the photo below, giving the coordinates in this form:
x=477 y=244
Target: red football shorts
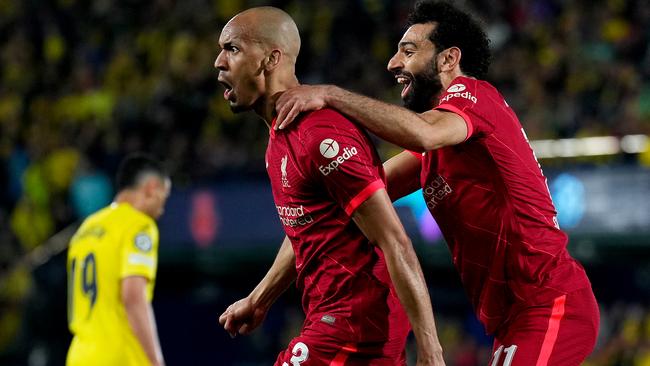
x=561 y=333
x=312 y=351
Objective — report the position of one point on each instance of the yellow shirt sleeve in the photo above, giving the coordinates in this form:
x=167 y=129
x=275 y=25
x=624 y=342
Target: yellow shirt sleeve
x=140 y=251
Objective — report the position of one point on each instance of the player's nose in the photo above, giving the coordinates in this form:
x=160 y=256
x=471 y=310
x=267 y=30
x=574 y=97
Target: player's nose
x=220 y=62
x=395 y=63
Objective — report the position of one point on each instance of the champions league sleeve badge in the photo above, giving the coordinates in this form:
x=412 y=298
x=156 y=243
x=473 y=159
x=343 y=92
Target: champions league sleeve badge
x=143 y=242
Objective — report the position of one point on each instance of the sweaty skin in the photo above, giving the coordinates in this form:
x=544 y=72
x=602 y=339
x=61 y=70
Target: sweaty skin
x=270 y=27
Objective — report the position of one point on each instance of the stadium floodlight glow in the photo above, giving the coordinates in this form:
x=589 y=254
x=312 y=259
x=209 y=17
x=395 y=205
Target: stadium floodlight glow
x=589 y=146
x=594 y=146
x=634 y=144
x=543 y=148
x=565 y=148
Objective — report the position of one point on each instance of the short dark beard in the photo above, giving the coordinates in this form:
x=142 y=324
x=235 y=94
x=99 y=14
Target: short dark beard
x=239 y=109
x=425 y=87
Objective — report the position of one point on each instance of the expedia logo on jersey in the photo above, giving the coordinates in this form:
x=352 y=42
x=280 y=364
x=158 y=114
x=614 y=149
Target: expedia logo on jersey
x=329 y=149
x=294 y=216
x=435 y=191
x=457 y=91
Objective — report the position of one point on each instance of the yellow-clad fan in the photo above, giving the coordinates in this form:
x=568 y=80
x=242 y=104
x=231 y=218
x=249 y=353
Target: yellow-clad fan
x=112 y=263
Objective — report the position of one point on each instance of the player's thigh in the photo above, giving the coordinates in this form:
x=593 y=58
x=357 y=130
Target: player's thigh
x=562 y=333
x=577 y=336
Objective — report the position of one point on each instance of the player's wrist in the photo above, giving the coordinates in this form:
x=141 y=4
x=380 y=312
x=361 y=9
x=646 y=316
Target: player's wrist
x=430 y=357
x=331 y=95
x=429 y=350
x=260 y=300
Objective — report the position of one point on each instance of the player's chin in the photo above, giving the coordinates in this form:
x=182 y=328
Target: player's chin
x=238 y=108
x=416 y=103
x=238 y=105
x=408 y=99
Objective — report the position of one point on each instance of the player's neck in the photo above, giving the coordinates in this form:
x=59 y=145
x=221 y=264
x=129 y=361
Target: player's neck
x=446 y=78
x=274 y=88
x=133 y=198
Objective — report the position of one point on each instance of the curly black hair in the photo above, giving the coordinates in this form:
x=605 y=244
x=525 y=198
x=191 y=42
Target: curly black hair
x=455 y=27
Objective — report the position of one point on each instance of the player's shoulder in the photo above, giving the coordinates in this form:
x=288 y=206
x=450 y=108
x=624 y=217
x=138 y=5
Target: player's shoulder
x=469 y=84
x=480 y=93
x=325 y=123
x=95 y=225
x=97 y=218
x=123 y=216
x=326 y=117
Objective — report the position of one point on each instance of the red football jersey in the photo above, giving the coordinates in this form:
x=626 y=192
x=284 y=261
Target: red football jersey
x=492 y=203
x=321 y=170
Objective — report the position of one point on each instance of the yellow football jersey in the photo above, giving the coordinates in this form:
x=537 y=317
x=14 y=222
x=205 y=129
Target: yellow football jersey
x=115 y=242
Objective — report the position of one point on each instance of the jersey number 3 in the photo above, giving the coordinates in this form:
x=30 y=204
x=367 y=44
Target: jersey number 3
x=88 y=282
x=300 y=354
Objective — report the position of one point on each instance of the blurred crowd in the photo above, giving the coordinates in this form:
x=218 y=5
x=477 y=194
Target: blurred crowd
x=82 y=83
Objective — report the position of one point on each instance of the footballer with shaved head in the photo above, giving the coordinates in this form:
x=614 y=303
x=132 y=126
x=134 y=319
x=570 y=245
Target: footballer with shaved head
x=345 y=247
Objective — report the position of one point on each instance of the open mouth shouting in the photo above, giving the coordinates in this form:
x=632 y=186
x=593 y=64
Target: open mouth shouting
x=228 y=93
x=406 y=81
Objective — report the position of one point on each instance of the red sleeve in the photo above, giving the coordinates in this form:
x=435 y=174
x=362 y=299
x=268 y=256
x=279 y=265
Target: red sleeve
x=345 y=160
x=416 y=154
x=464 y=98
x=454 y=109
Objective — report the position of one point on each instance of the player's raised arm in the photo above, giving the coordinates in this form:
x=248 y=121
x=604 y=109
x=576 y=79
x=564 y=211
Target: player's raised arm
x=379 y=222
x=140 y=316
x=243 y=316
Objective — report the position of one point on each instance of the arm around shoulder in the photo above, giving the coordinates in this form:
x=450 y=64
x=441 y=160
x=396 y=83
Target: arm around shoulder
x=418 y=132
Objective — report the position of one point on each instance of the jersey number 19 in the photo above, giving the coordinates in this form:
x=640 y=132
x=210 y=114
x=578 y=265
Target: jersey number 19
x=88 y=283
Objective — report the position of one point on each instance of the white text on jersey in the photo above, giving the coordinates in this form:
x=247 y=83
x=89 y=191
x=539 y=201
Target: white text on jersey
x=334 y=164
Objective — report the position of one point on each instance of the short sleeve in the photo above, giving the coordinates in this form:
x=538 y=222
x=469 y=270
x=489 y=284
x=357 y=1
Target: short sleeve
x=464 y=99
x=140 y=251
x=345 y=159
x=418 y=155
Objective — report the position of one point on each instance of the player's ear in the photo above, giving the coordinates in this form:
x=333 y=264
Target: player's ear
x=273 y=60
x=150 y=185
x=449 y=59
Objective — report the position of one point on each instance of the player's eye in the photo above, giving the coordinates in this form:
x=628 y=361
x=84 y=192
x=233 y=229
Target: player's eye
x=408 y=53
x=230 y=48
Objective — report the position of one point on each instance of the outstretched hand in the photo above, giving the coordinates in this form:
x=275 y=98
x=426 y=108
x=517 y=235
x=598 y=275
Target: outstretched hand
x=242 y=317
x=299 y=99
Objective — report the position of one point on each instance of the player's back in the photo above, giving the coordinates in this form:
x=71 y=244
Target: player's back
x=96 y=315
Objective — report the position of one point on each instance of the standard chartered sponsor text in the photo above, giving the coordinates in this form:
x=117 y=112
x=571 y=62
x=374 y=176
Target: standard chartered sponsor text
x=435 y=191
x=294 y=216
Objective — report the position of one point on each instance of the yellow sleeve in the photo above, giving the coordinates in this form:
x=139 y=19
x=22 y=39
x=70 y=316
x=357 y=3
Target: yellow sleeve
x=140 y=251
